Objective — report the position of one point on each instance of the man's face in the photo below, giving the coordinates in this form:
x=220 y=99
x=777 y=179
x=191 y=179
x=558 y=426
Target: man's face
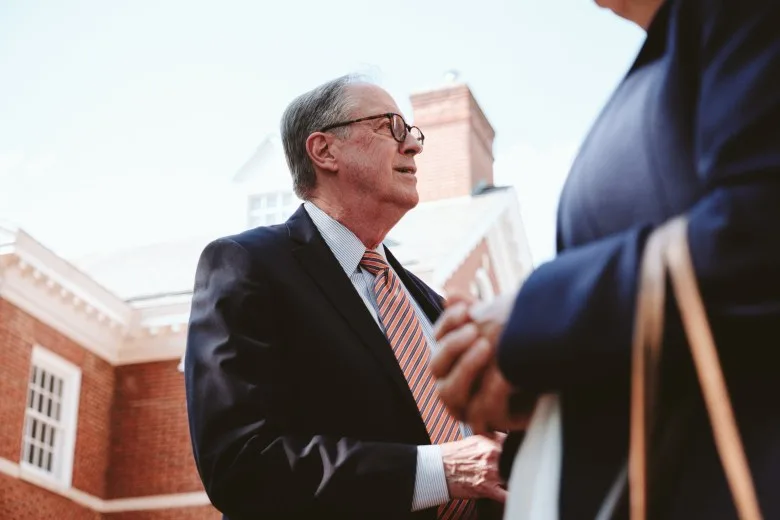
x=372 y=163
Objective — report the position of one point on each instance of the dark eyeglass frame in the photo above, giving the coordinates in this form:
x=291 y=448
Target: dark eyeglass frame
x=389 y=116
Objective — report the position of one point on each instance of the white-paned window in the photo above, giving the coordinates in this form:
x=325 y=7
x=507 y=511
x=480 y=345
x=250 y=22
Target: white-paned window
x=266 y=209
x=51 y=415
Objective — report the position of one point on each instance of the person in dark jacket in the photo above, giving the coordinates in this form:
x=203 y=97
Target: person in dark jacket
x=693 y=128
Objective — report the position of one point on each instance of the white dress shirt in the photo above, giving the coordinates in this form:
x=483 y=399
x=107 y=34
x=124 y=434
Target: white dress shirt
x=430 y=485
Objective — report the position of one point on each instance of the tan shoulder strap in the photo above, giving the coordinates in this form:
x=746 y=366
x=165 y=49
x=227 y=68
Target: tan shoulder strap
x=667 y=249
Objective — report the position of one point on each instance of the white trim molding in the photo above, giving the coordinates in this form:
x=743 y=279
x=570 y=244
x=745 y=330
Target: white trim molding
x=10 y=468
x=55 y=292
x=178 y=500
x=50 y=289
x=113 y=505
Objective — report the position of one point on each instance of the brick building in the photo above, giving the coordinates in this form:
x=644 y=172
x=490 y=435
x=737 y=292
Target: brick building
x=92 y=414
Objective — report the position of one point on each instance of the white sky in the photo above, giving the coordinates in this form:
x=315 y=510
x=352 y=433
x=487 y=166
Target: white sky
x=118 y=118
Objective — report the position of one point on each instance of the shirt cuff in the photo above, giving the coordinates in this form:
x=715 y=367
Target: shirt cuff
x=430 y=484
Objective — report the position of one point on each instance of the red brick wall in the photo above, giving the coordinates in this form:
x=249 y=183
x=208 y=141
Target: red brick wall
x=92 y=437
x=443 y=169
x=184 y=513
x=18 y=333
x=20 y=500
x=151 y=452
x=458 y=149
x=14 y=371
x=481 y=147
x=460 y=281
x=134 y=416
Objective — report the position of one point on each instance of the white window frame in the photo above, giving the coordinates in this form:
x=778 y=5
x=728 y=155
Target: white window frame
x=65 y=442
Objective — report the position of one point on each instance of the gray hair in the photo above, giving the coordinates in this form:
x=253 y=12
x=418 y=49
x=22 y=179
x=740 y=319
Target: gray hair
x=325 y=105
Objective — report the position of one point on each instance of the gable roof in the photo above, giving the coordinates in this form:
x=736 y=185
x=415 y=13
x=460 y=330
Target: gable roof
x=156 y=269
x=434 y=238
x=266 y=169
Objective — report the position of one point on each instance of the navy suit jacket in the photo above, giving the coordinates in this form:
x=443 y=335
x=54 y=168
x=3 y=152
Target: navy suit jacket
x=297 y=405
x=694 y=127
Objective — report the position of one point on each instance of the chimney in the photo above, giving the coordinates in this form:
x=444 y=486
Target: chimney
x=458 y=152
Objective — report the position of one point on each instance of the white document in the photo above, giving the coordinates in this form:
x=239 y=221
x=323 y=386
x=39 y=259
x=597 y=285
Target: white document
x=536 y=472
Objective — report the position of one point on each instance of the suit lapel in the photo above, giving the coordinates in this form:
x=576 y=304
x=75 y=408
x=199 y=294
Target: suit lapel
x=318 y=261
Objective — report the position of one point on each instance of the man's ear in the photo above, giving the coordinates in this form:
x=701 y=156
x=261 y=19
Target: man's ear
x=319 y=146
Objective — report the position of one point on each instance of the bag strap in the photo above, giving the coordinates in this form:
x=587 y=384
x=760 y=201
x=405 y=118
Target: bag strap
x=646 y=351
x=667 y=249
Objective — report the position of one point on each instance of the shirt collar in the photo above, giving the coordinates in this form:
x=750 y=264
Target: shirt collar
x=346 y=247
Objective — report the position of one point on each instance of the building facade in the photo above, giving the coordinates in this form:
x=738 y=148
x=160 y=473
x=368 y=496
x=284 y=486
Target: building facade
x=93 y=417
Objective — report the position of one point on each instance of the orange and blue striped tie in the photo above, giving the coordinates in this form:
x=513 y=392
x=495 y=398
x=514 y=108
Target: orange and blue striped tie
x=405 y=334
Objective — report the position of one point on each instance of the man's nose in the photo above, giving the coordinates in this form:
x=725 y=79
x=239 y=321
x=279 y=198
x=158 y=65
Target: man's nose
x=411 y=146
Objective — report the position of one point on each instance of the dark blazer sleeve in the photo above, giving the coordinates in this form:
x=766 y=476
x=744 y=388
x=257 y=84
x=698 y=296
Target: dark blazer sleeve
x=251 y=466
x=572 y=319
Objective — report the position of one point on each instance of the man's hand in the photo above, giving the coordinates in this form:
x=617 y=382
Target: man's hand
x=466 y=335
x=459 y=297
x=496 y=406
x=471 y=468
x=468 y=379
x=463 y=323
x=491 y=316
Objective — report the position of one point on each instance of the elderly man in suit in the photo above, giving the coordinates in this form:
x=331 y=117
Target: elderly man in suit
x=308 y=389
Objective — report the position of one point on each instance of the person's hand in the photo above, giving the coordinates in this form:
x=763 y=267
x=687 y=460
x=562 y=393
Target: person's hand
x=468 y=379
x=491 y=316
x=496 y=405
x=462 y=317
x=471 y=467
x=466 y=337
x=459 y=297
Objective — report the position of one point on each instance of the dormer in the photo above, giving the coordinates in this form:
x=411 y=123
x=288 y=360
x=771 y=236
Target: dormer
x=266 y=185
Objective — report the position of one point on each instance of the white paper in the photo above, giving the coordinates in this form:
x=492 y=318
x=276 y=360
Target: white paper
x=536 y=472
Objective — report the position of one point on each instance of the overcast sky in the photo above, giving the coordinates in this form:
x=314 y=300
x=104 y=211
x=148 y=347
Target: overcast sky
x=117 y=118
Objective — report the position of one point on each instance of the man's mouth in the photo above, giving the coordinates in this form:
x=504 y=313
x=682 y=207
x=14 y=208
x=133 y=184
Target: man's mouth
x=407 y=169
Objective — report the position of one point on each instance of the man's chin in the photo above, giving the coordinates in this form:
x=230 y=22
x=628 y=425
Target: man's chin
x=411 y=200
x=403 y=199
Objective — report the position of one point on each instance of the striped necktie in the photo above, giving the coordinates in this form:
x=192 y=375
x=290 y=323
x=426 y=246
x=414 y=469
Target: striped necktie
x=405 y=334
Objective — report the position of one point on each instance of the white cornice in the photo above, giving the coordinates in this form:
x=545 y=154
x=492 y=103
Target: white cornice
x=50 y=289
x=71 y=282
x=75 y=315
x=154 y=344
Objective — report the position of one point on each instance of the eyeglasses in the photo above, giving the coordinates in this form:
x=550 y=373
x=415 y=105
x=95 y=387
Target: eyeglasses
x=398 y=127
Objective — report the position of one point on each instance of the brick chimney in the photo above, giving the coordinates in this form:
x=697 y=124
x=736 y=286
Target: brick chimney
x=458 y=151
